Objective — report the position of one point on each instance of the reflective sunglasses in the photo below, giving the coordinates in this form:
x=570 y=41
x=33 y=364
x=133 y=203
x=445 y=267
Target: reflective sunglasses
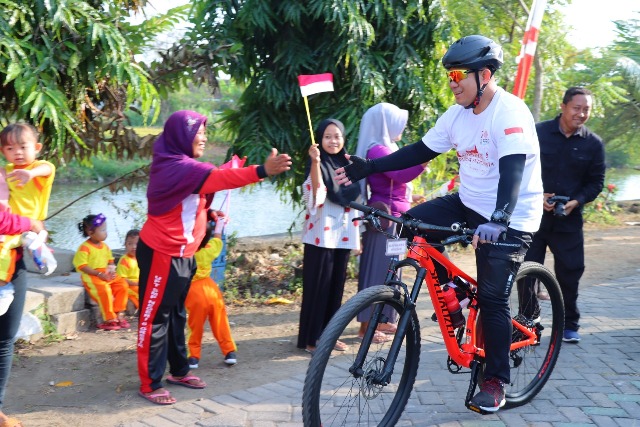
x=458 y=75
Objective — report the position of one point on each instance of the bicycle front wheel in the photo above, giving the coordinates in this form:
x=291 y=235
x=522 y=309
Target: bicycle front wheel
x=538 y=305
x=333 y=396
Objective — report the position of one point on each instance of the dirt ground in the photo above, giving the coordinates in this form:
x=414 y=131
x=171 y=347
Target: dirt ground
x=91 y=379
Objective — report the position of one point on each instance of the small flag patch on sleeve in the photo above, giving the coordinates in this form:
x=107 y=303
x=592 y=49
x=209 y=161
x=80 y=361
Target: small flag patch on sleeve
x=509 y=131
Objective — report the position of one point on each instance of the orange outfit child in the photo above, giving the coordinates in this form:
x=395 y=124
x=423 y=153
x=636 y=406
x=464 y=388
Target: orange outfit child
x=205 y=301
x=128 y=266
x=94 y=261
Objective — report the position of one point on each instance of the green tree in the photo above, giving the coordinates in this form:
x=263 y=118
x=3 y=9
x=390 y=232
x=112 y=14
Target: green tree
x=376 y=50
x=617 y=89
x=67 y=67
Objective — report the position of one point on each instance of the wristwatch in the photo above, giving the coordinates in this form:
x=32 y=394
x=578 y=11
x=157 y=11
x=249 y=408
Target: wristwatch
x=501 y=217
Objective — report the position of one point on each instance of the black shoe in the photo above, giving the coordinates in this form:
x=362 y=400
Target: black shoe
x=230 y=358
x=193 y=363
x=491 y=396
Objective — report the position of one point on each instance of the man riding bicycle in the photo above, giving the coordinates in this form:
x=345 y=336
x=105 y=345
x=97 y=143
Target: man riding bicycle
x=494 y=135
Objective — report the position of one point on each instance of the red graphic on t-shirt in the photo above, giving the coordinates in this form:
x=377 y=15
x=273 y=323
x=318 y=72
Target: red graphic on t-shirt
x=467 y=152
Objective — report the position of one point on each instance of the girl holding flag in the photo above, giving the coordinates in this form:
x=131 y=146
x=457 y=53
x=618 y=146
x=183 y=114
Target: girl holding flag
x=329 y=234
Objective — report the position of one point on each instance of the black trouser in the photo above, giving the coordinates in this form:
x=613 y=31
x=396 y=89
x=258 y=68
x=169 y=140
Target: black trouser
x=9 y=324
x=324 y=271
x=568 y=256
x=497 y=265
x=164 y=284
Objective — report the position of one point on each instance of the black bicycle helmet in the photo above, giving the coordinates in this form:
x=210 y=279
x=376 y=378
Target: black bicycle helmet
x=473 y=52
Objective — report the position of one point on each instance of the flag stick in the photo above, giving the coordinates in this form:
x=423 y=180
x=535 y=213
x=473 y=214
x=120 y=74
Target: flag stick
x=306 y=105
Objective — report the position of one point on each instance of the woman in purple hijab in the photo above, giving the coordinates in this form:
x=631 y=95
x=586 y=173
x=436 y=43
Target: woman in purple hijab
x=179 y=194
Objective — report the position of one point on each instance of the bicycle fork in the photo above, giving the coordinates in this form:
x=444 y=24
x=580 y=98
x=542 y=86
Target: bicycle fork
x=383 y=376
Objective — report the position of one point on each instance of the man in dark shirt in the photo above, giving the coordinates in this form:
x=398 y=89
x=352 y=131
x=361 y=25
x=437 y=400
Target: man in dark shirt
x=573 y=165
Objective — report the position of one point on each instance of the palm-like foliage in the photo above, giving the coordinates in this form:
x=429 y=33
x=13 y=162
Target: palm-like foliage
x=377 y=50
x=617 y=89
x=67 y=67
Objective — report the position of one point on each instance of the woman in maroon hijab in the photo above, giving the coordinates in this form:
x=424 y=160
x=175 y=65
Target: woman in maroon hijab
x=179 y=194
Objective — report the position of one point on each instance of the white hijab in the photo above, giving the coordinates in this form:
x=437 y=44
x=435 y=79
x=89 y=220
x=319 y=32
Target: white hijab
x=380 y=125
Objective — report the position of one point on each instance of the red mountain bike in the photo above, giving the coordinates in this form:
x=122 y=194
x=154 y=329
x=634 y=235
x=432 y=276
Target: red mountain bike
x=371 y=384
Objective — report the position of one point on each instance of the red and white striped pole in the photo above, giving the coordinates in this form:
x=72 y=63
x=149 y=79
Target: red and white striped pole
x=528 y=49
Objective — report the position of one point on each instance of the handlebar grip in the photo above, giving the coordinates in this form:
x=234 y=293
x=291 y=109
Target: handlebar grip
x=408 y=222
x=369 y=210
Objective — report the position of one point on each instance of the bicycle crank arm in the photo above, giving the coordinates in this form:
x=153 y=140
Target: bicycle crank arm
x=476 y=368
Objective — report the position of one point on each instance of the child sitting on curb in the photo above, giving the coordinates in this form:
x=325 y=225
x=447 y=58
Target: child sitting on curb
x=205 y=301
x=128 y=266
x=94 y=261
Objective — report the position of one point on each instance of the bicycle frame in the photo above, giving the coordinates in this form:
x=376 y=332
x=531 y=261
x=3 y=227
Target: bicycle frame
x=464 y=353
x=421 y=256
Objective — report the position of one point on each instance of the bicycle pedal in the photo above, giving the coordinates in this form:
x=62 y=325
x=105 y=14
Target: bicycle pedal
x=477 y=409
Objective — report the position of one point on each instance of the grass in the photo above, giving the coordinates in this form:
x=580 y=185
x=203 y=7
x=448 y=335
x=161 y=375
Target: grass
x=101 y=169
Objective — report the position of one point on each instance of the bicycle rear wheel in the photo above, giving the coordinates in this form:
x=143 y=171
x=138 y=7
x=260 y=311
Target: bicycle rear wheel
x=333 y=396
x=537 y=304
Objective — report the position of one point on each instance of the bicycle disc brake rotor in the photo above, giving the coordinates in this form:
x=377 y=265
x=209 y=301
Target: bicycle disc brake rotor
x=370 y=387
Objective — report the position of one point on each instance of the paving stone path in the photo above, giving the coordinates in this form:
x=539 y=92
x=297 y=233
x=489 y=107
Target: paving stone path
x=595 y=383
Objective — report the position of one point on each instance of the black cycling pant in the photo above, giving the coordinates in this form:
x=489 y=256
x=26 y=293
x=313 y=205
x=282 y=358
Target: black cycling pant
x=497 y=265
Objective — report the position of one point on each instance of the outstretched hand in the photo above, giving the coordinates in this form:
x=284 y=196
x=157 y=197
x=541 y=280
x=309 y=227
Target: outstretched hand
x=20 y=176
x=277 y=163
x=358 y=169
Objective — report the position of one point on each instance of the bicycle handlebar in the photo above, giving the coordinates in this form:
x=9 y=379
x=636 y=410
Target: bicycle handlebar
x=461 y=233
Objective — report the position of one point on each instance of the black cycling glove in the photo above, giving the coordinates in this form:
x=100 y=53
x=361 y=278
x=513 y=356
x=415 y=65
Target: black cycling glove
x=407 y=156
x=359 y=168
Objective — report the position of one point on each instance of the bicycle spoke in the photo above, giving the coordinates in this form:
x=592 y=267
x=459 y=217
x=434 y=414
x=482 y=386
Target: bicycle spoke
x=531 y=365
x=335 y=397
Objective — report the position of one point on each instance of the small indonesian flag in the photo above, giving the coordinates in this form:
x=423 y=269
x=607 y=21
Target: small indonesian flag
x=311 y=84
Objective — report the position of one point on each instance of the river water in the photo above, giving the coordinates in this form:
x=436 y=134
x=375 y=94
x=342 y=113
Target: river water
x=254 y=211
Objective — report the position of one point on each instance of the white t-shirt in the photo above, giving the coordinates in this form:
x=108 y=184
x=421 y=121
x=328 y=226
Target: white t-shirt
x=505 y=127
